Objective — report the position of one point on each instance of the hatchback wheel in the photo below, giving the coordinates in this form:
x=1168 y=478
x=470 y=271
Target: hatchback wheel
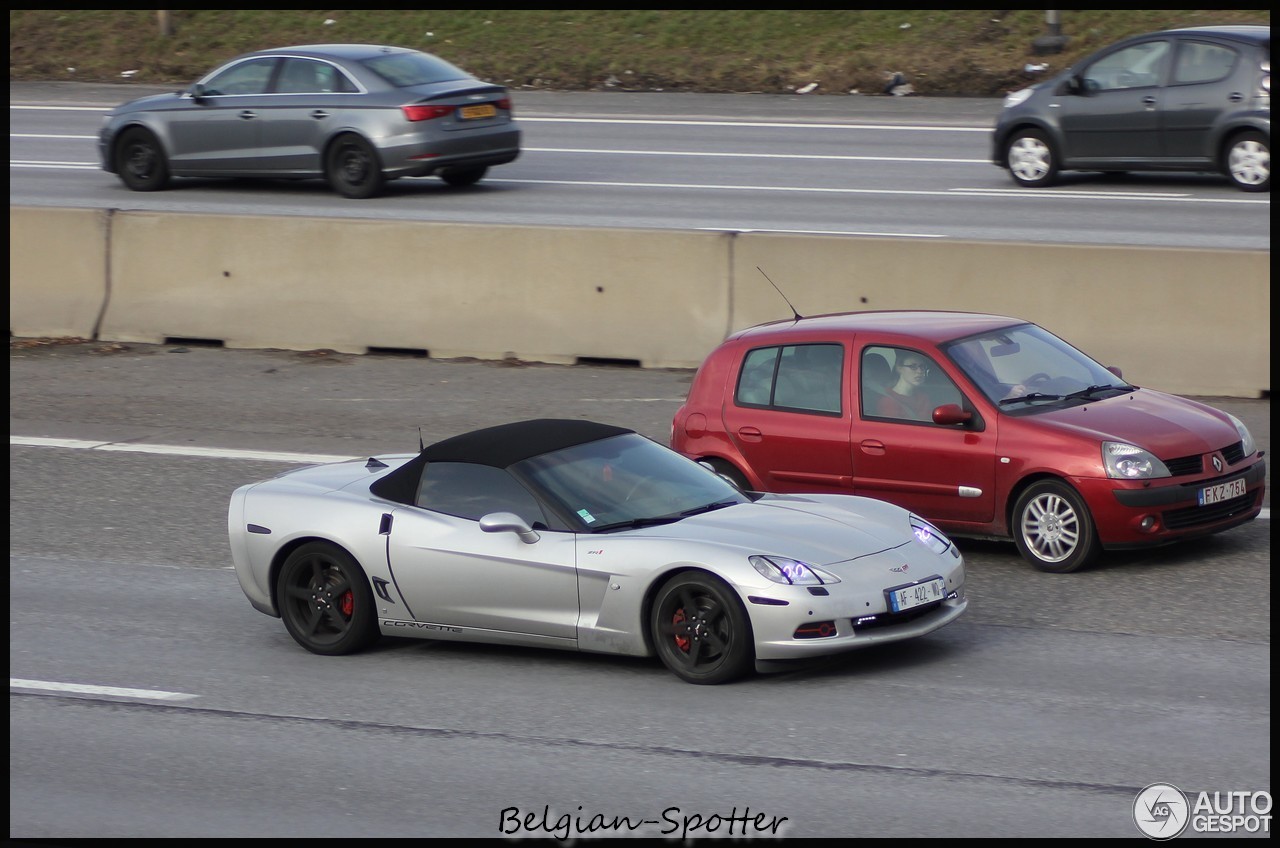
x=353 y=168
x=140 y=161
x=700 y=629
x=325 y=600
x=1249 y=162
x=459 y=177
x=1053 y=528
x=1031 y=159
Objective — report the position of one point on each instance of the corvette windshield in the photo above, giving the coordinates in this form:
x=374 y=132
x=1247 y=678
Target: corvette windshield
x=1026 y=368
x=627 y=481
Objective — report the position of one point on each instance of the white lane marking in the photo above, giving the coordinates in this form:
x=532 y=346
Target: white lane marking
x=112 y=691
x=951 y=192
x=179 y=450
x=790 y=157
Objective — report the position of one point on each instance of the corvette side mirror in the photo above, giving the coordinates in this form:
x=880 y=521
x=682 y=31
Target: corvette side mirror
x=504 y=522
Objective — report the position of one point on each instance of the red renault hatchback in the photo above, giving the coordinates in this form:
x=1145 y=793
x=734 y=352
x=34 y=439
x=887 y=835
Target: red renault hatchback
x=988 y=426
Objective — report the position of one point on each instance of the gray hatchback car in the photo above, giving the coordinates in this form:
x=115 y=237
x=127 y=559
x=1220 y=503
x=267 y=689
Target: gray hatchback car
x=356 y=115
x=1193 y=99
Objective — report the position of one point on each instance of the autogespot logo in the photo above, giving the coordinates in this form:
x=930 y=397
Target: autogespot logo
x=1161 y=811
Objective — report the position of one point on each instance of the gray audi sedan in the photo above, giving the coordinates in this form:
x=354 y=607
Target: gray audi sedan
x=356 y=115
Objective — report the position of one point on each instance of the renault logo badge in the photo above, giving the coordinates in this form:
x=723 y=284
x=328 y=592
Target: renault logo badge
x=1217 y=464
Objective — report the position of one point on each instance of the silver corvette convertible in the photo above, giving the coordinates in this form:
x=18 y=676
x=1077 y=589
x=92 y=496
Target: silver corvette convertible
x=584 y=536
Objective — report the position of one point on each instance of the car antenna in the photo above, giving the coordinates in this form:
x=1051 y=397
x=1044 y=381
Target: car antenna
x=421 y=446
x=779 y=291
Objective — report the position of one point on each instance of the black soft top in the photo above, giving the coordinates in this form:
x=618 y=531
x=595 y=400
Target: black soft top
x=500 y=447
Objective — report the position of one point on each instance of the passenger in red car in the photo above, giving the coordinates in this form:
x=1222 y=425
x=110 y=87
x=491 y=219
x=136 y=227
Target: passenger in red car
x=907 y=398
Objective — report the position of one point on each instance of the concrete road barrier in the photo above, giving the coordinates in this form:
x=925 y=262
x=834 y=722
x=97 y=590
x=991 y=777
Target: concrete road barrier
x=1187 y=321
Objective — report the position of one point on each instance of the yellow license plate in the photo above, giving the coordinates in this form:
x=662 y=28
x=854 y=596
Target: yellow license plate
x=469 y=113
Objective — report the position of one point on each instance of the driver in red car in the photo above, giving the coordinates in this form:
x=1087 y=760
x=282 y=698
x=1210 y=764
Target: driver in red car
x=907 y=397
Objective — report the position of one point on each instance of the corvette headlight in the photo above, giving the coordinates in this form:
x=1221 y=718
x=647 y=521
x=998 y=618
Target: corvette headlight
x=1246 y=440
x=1013 y=98
x=929 y=536
x=791 y=571
x=1130 y=462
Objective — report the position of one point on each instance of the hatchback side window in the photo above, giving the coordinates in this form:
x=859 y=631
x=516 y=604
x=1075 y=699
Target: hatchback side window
x=1137 y=66
x=755 y=380
x=248 y=77
x=809 y=377
x=903 y=384
x=469 y=490
x=1199 y=62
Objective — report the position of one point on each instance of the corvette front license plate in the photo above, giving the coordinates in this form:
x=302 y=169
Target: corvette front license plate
x=1222 y=491
x=916 y=594
x=485 y=110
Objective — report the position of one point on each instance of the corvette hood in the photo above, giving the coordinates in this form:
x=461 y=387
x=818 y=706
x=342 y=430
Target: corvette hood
x=1166 y=425
x=818 y=529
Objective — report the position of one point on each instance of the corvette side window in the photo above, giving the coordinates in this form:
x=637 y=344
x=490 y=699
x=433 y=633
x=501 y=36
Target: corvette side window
x=468 y=490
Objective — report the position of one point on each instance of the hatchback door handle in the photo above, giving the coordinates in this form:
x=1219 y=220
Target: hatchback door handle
x=247 y=115
x=1235 y=97
x=750 y=434
x=1149 y=100
x=319 y=113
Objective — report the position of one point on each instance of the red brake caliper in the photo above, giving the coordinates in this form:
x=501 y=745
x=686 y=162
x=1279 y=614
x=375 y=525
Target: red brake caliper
x=347 y=603
x=682 y=642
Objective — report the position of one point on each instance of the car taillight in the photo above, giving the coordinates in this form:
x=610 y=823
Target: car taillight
x=423 y=112
x=504 y=103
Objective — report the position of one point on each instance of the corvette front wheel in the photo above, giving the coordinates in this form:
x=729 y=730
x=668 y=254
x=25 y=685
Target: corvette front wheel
x=700 y=629
x=325 y=600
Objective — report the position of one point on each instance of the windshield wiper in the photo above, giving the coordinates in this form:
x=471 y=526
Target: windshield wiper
x=1029 y=397
x=698 y=510
x=1089 y=391
x=635 y=523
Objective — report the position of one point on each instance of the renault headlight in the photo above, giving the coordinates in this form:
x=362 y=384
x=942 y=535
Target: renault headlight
x=1246 y=439
x=1130 y=462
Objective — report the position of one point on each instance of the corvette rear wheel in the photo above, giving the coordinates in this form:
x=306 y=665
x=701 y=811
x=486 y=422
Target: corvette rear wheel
x=325 y=600
x=700 y=630
x=1053 y=528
